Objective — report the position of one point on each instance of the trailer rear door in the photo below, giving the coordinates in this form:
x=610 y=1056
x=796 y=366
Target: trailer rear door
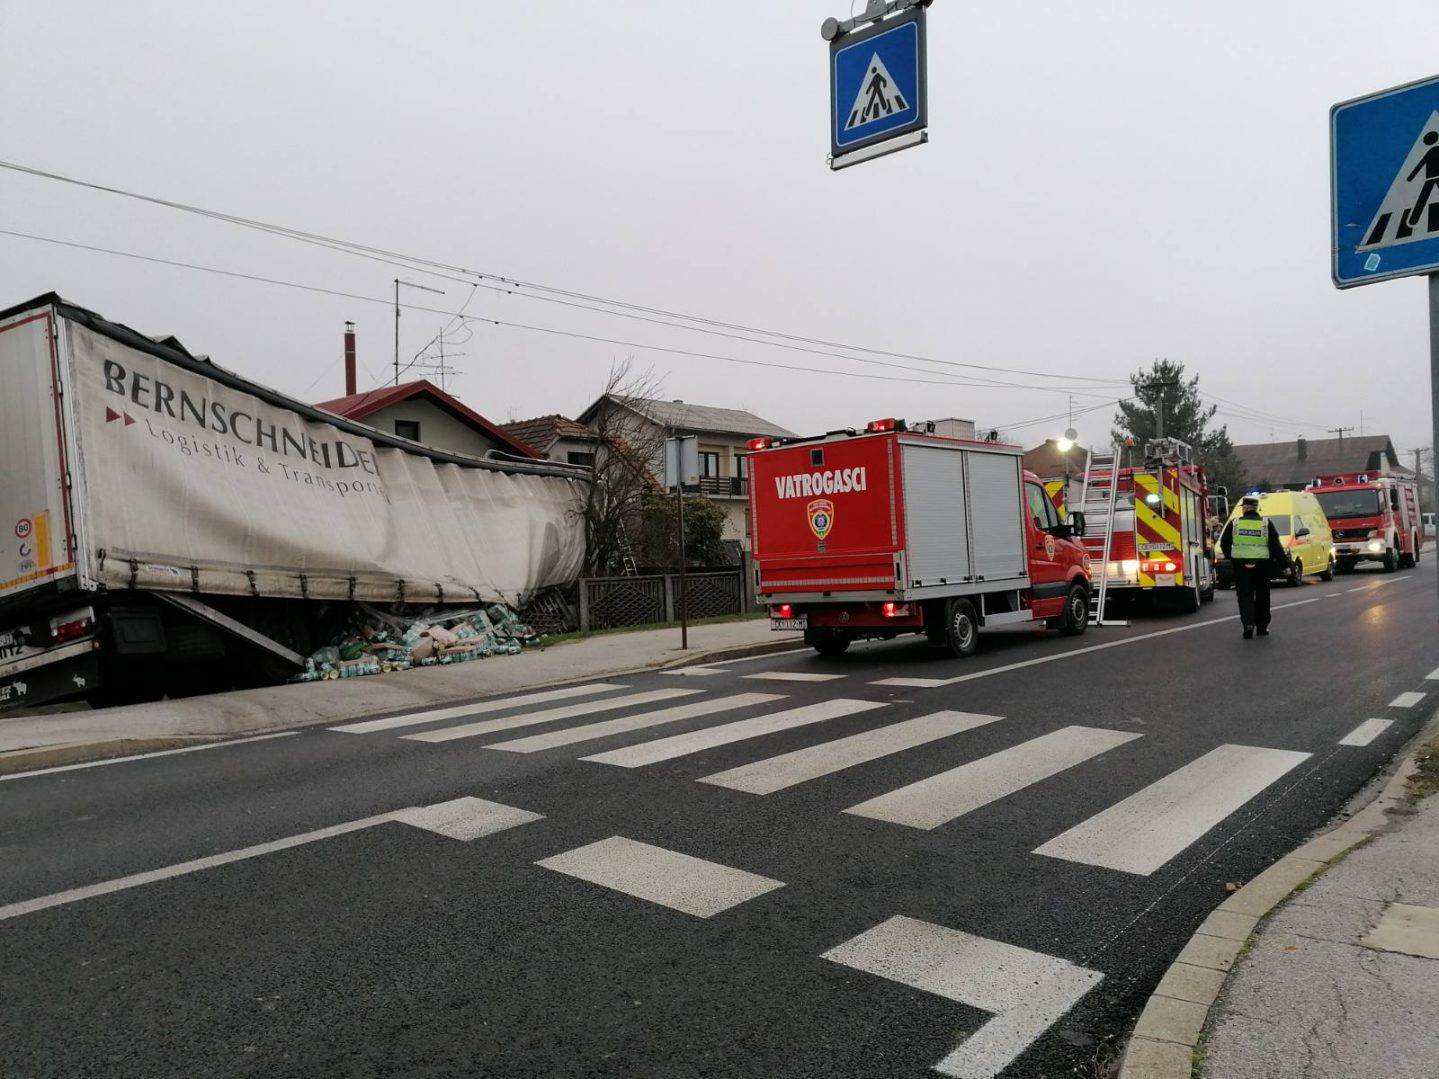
x=35 y=529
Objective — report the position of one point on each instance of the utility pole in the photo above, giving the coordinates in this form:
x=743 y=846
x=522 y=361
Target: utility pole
x=407 y=284
x=1159 y=385
x=1340 y=432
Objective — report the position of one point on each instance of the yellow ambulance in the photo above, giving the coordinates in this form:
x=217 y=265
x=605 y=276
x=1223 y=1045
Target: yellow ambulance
x=1302 y=528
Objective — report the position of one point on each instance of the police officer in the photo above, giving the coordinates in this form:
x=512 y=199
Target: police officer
x=1253 y=548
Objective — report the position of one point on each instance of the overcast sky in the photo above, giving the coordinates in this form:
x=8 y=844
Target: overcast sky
x=1105 y=183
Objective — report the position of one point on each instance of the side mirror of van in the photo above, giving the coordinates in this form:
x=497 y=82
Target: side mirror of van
x=1076 y=523
x=1302 y=532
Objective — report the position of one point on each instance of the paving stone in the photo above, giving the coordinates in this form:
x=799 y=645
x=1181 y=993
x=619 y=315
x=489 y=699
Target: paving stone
x=1216 y=953
x=1184 y=981
x=1408 y=929
x=1229 y=923
x=1169 y=1020
x=1261 y=894
x=1149 y=1059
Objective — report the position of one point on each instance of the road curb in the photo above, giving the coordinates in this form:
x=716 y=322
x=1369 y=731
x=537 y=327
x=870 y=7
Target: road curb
x=738 y=651
x=1162 y=1044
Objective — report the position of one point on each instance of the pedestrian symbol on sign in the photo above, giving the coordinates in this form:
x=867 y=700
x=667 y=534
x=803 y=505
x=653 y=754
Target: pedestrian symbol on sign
x=1410 y=210
x=878 y=96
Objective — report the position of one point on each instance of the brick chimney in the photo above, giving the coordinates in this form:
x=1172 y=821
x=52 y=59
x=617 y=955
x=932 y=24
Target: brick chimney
x=1303 y=448
x=350 y=359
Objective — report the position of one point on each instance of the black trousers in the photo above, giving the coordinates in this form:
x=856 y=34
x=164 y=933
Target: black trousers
x=1251 y=585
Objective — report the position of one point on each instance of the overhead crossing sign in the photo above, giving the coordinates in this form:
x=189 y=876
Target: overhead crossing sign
x=1384 y=164
x=877 y=86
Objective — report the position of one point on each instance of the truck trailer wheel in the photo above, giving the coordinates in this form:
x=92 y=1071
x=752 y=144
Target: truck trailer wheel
x=1075 y=619
x=827 y=642
x=961 y=629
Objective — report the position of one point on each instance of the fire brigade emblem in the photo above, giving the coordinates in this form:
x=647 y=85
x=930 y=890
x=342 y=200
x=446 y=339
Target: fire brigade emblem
x=821 y=517
x=1049 y=547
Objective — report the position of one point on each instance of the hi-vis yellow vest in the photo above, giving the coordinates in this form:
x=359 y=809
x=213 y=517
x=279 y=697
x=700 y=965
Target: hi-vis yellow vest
x=1250 y=541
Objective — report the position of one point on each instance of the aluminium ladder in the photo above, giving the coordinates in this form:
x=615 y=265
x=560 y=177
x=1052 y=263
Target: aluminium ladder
x=1100 y=490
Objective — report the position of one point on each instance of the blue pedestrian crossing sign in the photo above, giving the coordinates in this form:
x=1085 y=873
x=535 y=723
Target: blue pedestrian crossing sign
x=877 y=88
x=1384 y=165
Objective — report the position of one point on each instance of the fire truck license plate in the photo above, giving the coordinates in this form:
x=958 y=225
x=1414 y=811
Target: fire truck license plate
x=802 y=622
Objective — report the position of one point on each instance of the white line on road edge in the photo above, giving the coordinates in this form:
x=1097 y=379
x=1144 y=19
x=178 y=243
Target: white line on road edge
x=453 y=815
x=1362 y=588
x=369 y=726
x=146 y=756
x=936 y=683
x=1153 y=826
x=1366 y=732
x=1027 y=992
x=1406 y=700
x=667 y=877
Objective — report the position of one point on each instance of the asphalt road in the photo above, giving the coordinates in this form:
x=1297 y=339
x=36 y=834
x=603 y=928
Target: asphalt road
x=1007 y=919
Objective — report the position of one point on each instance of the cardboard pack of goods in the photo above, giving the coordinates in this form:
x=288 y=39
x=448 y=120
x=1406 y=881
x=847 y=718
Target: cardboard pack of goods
x=422 y=649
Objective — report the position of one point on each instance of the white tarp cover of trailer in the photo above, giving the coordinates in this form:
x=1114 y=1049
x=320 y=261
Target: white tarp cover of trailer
x=184 y=477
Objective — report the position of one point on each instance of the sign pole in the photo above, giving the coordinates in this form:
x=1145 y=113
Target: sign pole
x=684 y=592
x=1433 y=384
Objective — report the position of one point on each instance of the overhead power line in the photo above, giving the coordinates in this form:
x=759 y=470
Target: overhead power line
x=702 y=324
x=940 y=380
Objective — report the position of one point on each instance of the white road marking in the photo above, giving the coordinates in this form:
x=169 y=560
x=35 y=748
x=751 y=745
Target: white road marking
x=466 y=818
x=1331 y=595
x=135 y=880
x=1433 y=675
x=146 y=756
x=1366 y=732
x=679 y=745
x=547 y=715
x=935 y=683
x=762 y=655
x=1406 y=700
x=669 y=878
x=795 y=676
x=941 y=798
x=1361 y=588
x=788 y=769
x=1027 y=992
x=476 y=709
x=636 y=722
x=694 y=672
x=1152 y=826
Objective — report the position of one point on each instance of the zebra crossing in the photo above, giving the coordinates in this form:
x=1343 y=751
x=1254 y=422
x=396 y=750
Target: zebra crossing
x=1139 y=834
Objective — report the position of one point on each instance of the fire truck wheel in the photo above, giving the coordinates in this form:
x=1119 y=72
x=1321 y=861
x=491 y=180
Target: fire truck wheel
x=1346 y=565
x=961 y=634
x=1189 y=600
x=1076 y=612
x=827 y=642
x=1391 y=560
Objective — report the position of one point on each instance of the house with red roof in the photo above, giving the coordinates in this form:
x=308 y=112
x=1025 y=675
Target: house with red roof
x=424 y=413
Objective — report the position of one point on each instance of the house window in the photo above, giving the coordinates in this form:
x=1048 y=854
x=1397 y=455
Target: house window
x=575 y=457
x=408 y=429
x=740 y=465
x=709 y=464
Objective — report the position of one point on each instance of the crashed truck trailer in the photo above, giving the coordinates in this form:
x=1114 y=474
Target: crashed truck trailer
x=167 y=526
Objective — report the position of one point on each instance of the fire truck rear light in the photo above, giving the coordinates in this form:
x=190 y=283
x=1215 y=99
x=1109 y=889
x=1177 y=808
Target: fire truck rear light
x=69 y=631
x=784 y=610
x=888 y=424
x=896 y=610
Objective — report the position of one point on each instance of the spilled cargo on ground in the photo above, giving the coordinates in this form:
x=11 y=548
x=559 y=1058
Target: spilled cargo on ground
x=165 y=518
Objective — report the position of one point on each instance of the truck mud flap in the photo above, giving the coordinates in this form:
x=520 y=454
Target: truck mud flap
x=40 y=685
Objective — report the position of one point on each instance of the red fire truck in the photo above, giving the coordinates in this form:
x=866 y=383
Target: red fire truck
x=895 y=530
x=1162 y=543
x=1374 y=518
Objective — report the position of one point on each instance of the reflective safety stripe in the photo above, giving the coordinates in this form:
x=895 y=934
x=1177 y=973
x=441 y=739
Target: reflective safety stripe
x=1251 y=539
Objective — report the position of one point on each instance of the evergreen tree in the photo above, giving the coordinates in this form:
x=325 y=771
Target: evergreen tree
x=1186 y=417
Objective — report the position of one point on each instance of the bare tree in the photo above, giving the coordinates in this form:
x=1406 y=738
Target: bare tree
x=628 y=451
